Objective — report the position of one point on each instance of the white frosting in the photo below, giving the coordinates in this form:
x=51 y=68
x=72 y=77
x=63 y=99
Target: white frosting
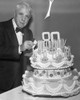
x=45 y=59
x=52 y=74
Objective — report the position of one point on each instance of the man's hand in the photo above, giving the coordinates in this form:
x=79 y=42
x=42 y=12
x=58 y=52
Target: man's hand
x=27 y=45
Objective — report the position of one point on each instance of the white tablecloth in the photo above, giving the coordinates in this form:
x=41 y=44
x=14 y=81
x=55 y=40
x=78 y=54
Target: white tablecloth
x=17 y=94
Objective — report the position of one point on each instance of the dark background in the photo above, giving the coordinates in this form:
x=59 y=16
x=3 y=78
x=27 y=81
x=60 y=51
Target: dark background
x=65 y=18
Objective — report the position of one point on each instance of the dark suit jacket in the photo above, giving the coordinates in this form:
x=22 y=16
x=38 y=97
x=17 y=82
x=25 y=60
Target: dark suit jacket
x=11 y=68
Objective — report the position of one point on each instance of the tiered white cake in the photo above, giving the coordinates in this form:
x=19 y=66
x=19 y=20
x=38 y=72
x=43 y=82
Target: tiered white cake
x=53 y=74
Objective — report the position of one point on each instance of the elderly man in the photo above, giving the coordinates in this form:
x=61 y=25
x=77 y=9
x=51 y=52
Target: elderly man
x=15 y=39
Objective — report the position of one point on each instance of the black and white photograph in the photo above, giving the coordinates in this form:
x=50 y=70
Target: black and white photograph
x=39 y=49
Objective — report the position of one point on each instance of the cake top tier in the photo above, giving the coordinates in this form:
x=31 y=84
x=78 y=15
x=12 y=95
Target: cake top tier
x=51 y=42
x=51 y=52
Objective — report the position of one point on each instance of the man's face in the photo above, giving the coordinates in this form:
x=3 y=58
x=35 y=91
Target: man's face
x=22 y=17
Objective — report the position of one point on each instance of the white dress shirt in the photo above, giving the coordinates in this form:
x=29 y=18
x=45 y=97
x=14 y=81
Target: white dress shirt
x=19 y=35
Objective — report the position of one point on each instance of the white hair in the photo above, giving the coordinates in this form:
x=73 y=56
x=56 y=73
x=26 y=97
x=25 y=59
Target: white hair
x=24 y=3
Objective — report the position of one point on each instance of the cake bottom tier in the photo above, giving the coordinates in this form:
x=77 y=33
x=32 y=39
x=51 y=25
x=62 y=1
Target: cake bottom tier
x=57 y=87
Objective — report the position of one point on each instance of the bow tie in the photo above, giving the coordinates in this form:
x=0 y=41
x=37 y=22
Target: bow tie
x=19 y=30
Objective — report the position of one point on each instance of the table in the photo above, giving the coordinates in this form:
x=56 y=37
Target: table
x=17 y=94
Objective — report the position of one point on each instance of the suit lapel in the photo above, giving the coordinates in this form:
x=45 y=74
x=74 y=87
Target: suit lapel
x=11 y=33
x=24 y=35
